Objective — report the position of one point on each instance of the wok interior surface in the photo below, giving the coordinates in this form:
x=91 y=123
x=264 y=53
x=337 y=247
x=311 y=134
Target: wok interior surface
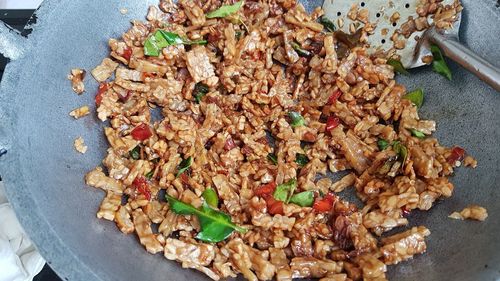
x=44 y=175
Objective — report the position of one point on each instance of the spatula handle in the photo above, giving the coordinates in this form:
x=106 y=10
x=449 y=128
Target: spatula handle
x=466 y=58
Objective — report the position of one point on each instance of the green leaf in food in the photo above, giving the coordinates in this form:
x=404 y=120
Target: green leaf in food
x=285 y=191
x=299 y=50
x=135 y=153
x=416 y=97
x=170 y=38
x=215 y=225
x=225 y=10
x=184 y=165
x=194 y=42
x=175 y=39
x=296 y=119
x=321 y=193
x=398 y=66
x=161 y=39
x=272 y=157
x=211 y=197
x=439 y=64
x=382 y=144
x=303 y=199
x=151 y=48
x=150 y=174
x=238 y=34
x=327 y=24
x=200 y=90
x=301 y=159
x=417 y=133
x=400 y=150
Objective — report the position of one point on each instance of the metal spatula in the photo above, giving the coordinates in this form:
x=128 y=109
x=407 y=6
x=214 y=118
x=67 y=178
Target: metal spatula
x=395 y=19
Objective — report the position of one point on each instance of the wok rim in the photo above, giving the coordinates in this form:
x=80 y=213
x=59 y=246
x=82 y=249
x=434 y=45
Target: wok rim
x=58 y=255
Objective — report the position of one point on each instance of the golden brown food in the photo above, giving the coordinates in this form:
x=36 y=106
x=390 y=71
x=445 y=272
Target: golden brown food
x=260 y=107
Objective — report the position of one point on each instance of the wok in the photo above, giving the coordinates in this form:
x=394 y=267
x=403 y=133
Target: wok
x=43 y=174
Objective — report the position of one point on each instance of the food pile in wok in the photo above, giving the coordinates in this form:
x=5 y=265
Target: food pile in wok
x=261 y=105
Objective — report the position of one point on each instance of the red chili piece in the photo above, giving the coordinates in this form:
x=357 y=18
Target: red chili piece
x=141 y=184
x=274 y=207
x=331 y=123
x=325 y=204
x=145 y=75
x=457 y=154
x=265 y=189
x=229 y=144
x=141 y=132
x=127 y=53
x=334 y=97
x=103 y=87
x=184 y=178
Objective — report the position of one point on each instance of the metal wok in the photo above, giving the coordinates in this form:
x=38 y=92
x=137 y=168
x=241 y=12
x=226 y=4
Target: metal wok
x=44 y=176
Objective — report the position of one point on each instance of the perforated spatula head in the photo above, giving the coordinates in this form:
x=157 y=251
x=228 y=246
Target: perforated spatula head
x=396 y=27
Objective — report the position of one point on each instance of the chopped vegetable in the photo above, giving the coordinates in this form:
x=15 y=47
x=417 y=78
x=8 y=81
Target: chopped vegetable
x=325 y=204
x=161 y=39
x=225 y=10
x=285 y=191
x=334 y=97
x=303 y=199
x=142 y=186
x=135 y=153
x=417 y=133
x=265 y=189
x=141 y=132
x=103 y=87
x=299 y=50
x=127 y=53
x=457 y=154
x=331 y=123
x=386 y=168
x=382 y=144
x=151 y=48
x=215 y=225
x=274 y=207
x=398 y=66
x=184 y=165
x=439 y=64
x=169 y=37
x=272 y=157
x=184 y=178
x=210 y=197
x=321 y=193
x=400 y=150
x=238 y=34
x=327 y=24
x=200 y=90
x=296 y=119
x=416 y=97
x=194 y=42
x=150 y=174
x=301 y=159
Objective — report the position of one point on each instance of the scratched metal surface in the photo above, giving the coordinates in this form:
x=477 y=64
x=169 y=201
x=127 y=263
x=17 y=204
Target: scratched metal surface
x=44 y=176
